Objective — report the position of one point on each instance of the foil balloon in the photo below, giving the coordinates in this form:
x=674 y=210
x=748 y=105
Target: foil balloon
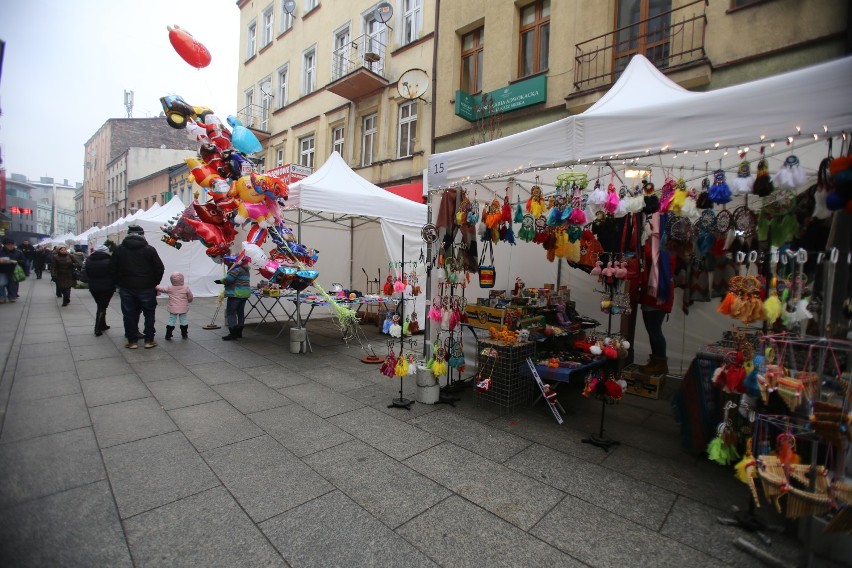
x=242 y=138
x=190 y=49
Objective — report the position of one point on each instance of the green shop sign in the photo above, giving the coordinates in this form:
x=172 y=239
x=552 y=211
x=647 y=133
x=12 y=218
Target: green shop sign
x=509 y=98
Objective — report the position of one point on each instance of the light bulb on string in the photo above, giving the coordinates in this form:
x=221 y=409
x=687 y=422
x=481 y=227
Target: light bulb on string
x=825 y=128
x=745 y=149
x=716 y=145
x=707 y=151
x=762 y=136
x=816 y=136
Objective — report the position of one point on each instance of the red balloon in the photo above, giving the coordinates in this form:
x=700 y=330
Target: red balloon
x=190 y=49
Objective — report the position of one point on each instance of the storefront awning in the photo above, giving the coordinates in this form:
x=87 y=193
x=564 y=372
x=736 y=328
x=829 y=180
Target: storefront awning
x=412 y=191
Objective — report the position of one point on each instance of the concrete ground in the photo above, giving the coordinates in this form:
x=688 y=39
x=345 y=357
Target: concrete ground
x=201 y=452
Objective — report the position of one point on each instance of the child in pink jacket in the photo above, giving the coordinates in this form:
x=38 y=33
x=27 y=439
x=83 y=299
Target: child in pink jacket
x=179 y=298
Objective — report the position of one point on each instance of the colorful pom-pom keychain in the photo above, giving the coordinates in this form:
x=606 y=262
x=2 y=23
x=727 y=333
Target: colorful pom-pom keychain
x=719 y=191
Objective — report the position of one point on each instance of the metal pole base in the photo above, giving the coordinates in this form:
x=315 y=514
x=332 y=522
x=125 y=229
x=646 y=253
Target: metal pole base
x=401 y=403
x=211 y=326
x=600 y=442
x=372 y=359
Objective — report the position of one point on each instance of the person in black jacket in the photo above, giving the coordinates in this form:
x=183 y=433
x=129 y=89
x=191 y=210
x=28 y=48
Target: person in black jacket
x=137 y=270
x=9 y=258
x=39 y=261
x=101 y=284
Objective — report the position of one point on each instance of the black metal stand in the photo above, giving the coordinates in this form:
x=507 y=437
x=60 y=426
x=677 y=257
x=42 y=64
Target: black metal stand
x=600 y=440
x=401 y=402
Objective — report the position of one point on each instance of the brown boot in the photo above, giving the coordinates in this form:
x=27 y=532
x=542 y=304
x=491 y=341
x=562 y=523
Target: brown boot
x=656 y=365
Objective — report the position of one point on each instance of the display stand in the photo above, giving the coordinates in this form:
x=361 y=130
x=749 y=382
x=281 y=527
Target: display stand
x=400 y=402
x=454 y=385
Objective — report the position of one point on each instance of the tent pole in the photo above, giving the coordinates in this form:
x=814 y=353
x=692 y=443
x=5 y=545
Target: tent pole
x=351 y=255
x=427 y=323
x=299 y=227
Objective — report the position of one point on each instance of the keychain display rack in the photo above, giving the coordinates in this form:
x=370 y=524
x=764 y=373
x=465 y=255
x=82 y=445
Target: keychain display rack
x=401 y=401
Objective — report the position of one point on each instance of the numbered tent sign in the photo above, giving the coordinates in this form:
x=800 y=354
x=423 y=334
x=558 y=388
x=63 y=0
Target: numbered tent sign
x=437 y=171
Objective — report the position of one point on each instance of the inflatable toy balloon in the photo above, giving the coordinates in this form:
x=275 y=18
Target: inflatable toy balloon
x=190 y=49
x=242 y=138
x=255 y=255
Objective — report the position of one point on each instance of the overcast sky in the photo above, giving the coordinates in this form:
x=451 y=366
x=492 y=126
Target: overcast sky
x=67 y=65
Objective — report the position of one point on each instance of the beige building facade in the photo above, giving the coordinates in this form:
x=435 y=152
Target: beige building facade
x=321 y=76
x=573 y=51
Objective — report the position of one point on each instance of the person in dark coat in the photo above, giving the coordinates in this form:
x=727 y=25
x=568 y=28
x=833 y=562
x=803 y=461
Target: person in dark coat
x=137 y=270
x=10 y=257
x=62 y=268
x=39 y=261
x=101 y=285
x=27 y=249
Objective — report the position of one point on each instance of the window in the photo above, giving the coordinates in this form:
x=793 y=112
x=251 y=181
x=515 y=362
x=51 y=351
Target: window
x=309 y=71
x=265 y=103
x=279 y=157
x=407 y=129
x=337 y=138
x=341 y=54
x=249 y=107
x=643 y=27
x=306 y=151
x=473 y=45
x=535 y=38
x=311 y=4
x=368 y=138
x=285 y=22
x=376 y=41
x=267 y=26
x=251 y=40
x=283 y=92
x=412 y=13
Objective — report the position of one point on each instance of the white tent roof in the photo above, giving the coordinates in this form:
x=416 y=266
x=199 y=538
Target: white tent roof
x=645 y=111
x=335 y=188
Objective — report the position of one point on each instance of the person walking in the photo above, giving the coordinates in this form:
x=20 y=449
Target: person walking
x=101 y=285
x=10 y=257
x=39 y=261
x=62 y=267
x=180 y=297
x=28 y=250
x=237 y=290
x=137 y=270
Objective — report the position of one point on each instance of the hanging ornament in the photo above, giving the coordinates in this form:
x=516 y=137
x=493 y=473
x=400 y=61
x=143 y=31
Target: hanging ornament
x=791 y=175
x=744 y=182
x=597 y=199
x=519 y=213
x=535 y=204
x=763 y=183
x=719 y=191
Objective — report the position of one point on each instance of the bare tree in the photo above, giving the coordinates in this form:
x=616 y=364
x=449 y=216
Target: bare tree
x=486 y=125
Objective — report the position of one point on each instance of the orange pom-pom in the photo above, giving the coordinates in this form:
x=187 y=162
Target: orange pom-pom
x=725 y=306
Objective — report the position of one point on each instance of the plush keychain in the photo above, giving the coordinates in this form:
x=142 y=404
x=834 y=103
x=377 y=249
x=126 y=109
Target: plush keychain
x=399 y=285
x=612 y=199
x=719 y=190
x=506 y=211
x=412 y=365
x=519 y=213
x=395 y=329
x=435 y=310
x=763 y=182
x=597 y=199
x=388 y=368
x=679 y=197
x=413 y=324
x=651 y=199
x=527 y=232
x=439 y=364
x=401 y=367
x=386 y=326
x=388 y=287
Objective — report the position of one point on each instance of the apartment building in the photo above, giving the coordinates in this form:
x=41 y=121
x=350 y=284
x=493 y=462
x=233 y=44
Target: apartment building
x=324 y=76
x=542 y=60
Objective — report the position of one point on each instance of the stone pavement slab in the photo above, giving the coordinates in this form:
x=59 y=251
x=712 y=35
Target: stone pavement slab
x=213 y=424
x=152 y=472
x=350 y=537
x=636 y=500
x=519 y=499
x=251 y=396
x=275 y=376
x=123 y=422
x=114 y=389
x=299 y=430
x=106 y=367
x=31 y=418
x=39 y=350
x=182 y=391
x=41 y=466
x=216 y=373
x=491 y=443
x=390 y=491
x=320 y=399
x=456 y=532
x=205 y=529
x=159 y=369
x=337 y=379
x=264 y=477
x=45 y=386
x=43 y=366
x=397 y=439
x=77 y=527
x=586 y=533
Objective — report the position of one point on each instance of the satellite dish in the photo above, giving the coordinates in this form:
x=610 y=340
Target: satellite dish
x=289 y=6
x=412 y=84
x=384 y=12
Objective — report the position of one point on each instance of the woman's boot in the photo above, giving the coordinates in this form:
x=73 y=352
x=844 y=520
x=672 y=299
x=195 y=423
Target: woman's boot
x=99 y=331
x=184 y=331
x=169 y=331
x=656 y=366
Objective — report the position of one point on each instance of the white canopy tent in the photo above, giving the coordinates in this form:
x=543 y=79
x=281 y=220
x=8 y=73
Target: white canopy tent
x=355 y=224
x=643 y=113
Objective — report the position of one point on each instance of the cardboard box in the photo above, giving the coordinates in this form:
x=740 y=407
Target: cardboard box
x=484 y=317
x=642 y=384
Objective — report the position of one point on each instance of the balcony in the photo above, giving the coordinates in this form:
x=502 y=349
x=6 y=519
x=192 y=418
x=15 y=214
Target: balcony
x=670 y=40
x=256 y=119
x=358 y=68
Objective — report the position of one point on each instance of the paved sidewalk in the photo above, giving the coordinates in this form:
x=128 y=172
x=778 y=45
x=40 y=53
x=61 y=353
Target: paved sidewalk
x=209 y=453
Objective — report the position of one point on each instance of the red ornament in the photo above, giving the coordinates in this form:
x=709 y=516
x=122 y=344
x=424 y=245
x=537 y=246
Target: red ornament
x=190 y=49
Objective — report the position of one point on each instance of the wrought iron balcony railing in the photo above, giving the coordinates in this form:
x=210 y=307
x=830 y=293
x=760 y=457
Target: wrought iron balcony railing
x=255 y=117
x=669 y=39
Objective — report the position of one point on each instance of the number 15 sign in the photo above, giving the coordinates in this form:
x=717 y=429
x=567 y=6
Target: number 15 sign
x=437 y=170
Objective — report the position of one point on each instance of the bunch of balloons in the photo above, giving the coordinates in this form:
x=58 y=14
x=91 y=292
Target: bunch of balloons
x=239 y=198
